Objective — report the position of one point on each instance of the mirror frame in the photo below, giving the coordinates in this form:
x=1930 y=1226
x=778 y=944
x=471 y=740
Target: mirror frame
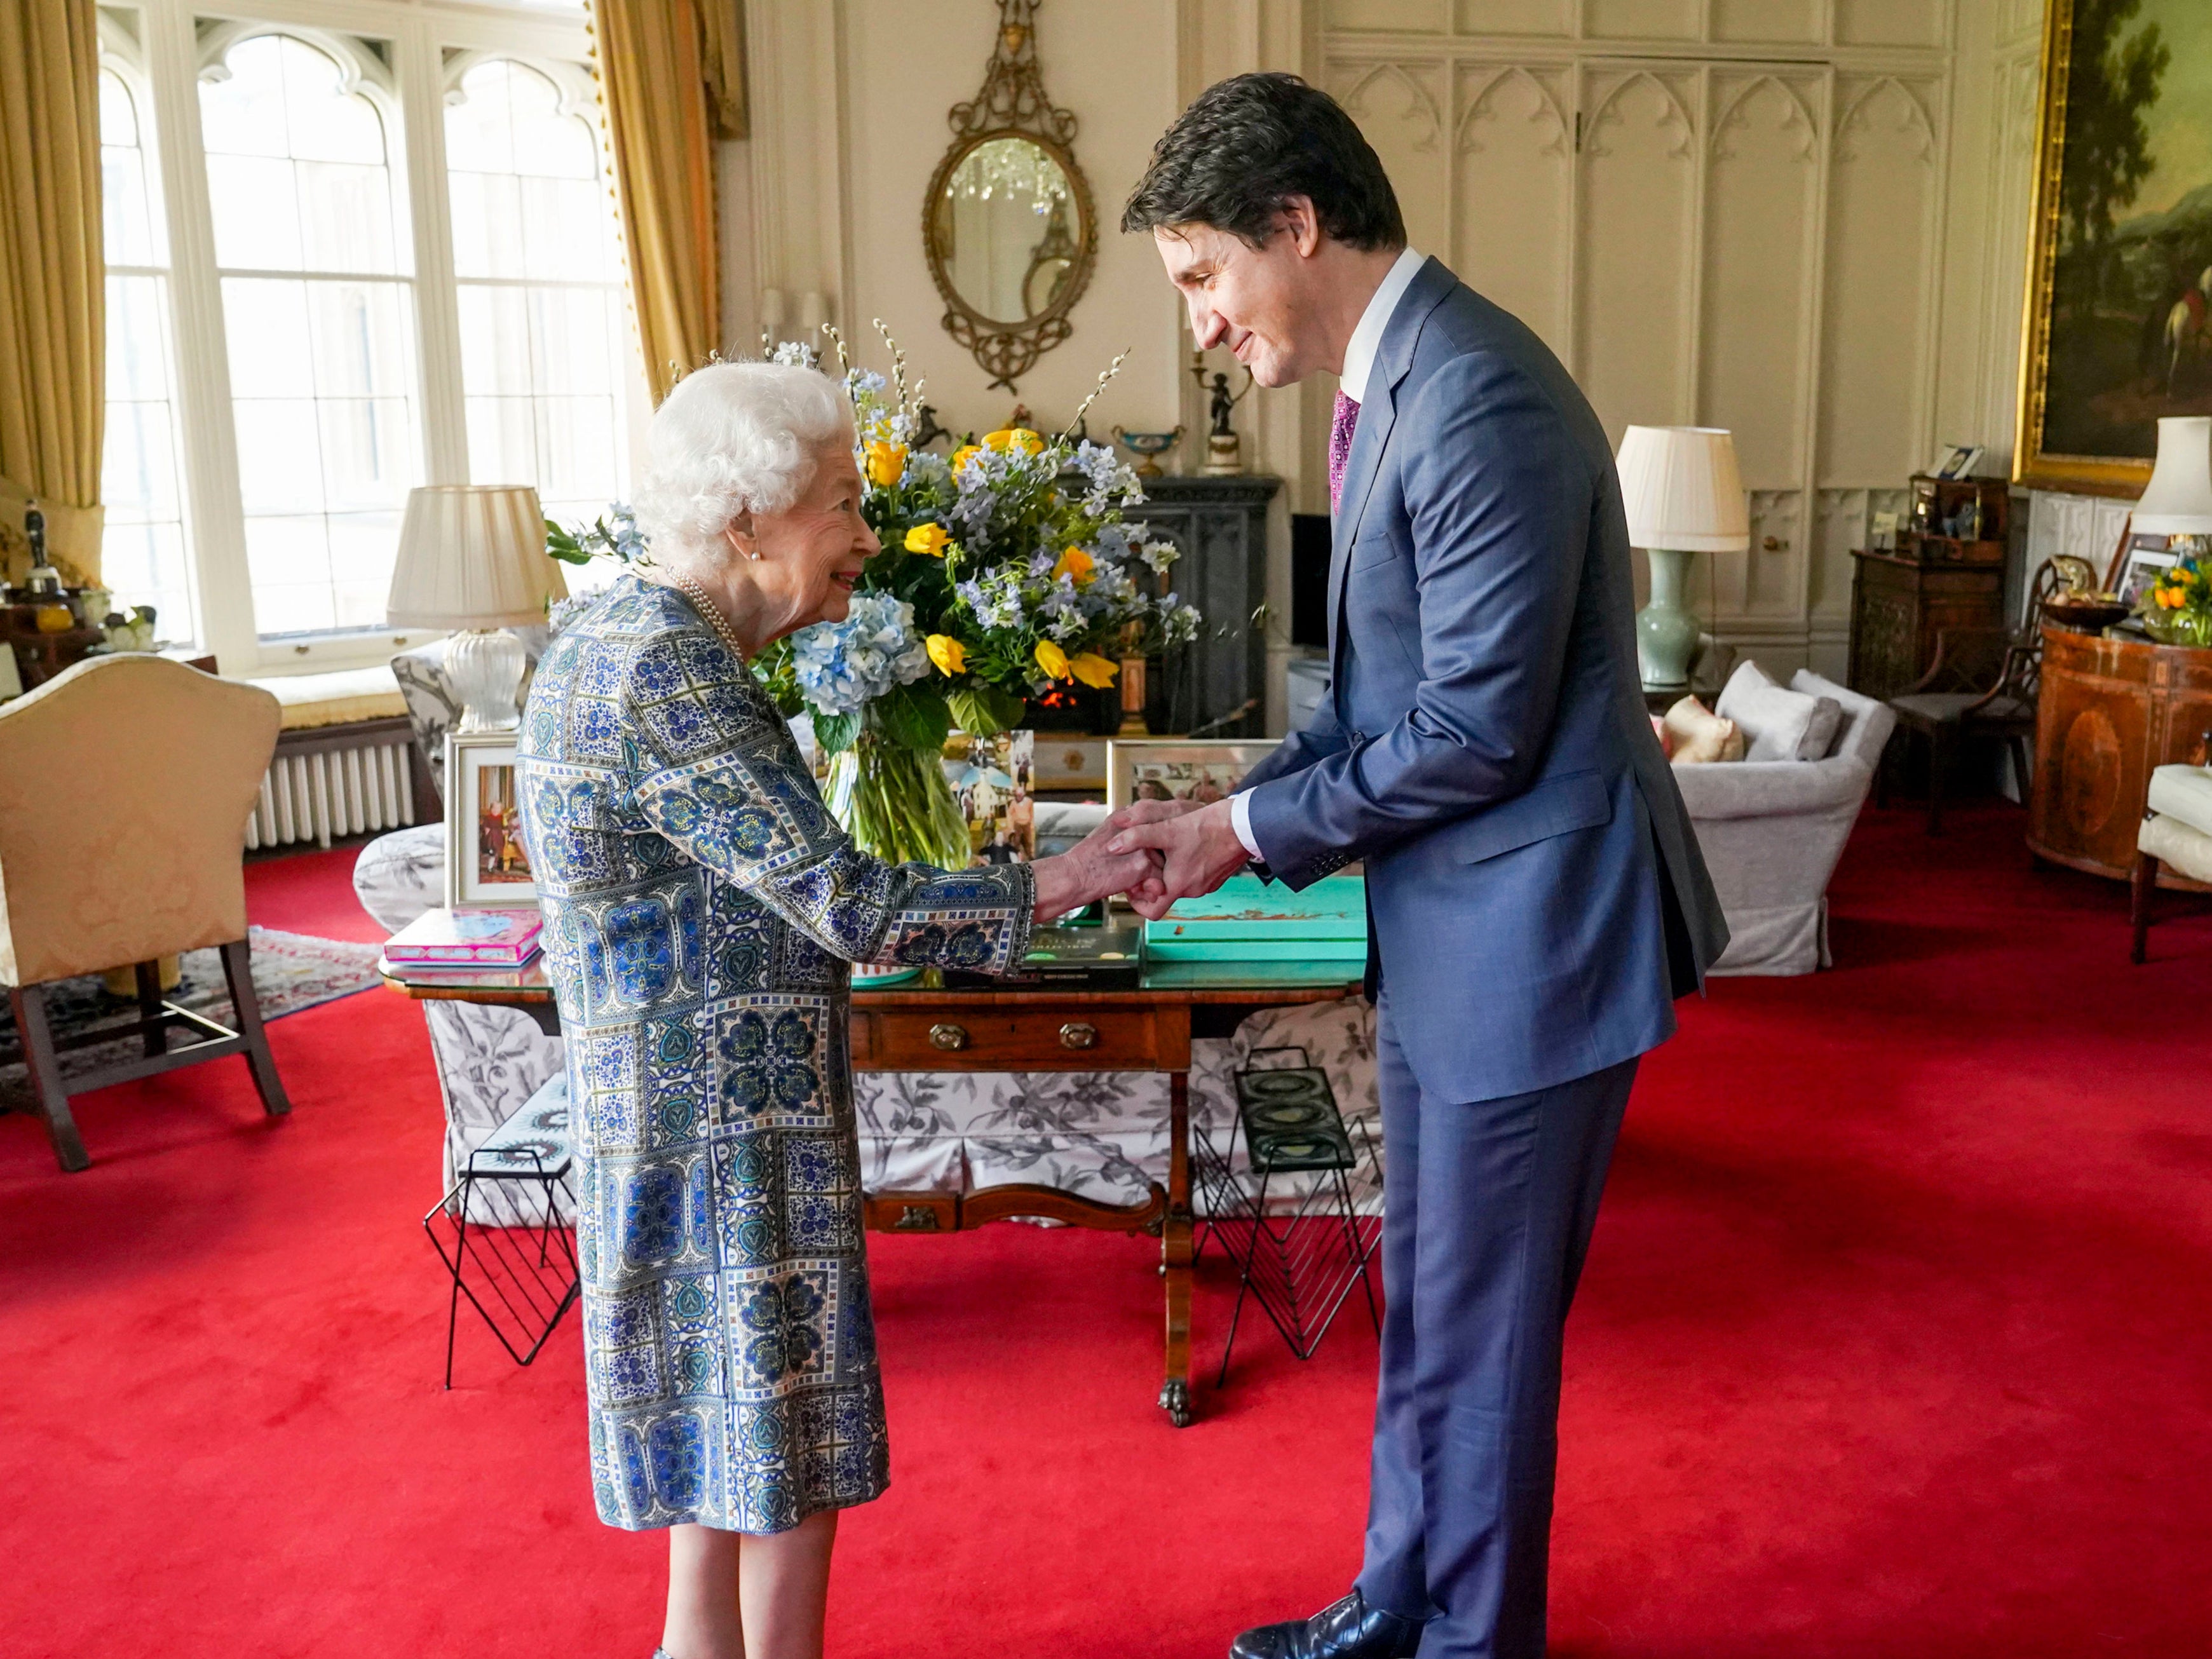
x=1011 y=104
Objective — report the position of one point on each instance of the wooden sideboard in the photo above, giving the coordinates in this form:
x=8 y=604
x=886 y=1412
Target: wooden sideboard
x=1901 y=601
x=1220 y=525
x=2110 y=710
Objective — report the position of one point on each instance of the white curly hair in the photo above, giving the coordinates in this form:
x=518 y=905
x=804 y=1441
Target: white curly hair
x=733 y=438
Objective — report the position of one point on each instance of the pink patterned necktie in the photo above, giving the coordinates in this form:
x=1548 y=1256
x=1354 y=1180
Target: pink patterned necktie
x=1339 y=445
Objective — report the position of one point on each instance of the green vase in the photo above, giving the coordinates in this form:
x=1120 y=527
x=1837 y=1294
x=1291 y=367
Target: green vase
x=1666 y=628
x=895 y=802
x=2190 y=627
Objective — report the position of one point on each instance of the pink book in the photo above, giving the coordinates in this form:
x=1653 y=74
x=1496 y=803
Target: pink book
x=490 y=939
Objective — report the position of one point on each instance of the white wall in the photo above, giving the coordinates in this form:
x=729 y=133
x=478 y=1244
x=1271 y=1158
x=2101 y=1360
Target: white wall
x=1803 y=219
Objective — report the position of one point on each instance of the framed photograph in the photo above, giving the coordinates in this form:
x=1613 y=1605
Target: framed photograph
x=485 y=864
x=1176 y=768
x=1959 y=461
x=2119 y=323
x=994 y=781
x=1881 y=537
x=2147 y=559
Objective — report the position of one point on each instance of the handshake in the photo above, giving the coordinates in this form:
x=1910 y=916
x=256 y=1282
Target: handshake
x=1154 y=851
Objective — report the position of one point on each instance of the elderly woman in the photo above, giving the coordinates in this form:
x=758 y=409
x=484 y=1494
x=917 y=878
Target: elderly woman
x=701 y=907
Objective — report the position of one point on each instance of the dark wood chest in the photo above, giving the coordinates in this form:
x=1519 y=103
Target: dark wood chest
x=1900 y=602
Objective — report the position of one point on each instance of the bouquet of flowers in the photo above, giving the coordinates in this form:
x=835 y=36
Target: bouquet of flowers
x=2177 y=610
x=1007 y=570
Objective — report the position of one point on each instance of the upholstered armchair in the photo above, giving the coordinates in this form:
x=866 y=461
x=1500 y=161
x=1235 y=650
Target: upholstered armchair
x=2176 y=833
x=125 y=784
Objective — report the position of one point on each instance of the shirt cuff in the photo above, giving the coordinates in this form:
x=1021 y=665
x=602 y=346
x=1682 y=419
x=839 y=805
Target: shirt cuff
x=1240 y=819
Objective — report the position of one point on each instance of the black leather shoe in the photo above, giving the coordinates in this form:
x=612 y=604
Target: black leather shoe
x=1349 y=1628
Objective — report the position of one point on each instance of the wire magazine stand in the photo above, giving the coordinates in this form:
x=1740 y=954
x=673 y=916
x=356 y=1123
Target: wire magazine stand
x=1300 y=1262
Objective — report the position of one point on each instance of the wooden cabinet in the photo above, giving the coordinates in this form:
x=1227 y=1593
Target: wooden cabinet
x=1901 y=601
x=965 y=1035
x=1219 y=526
x=2110 y=710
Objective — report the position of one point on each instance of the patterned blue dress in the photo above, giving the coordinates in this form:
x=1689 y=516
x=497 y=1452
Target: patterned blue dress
x=701 y=907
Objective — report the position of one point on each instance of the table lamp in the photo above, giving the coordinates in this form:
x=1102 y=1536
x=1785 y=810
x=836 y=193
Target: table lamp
x=472 y=558
x=2178 y=500
x=1685 y=496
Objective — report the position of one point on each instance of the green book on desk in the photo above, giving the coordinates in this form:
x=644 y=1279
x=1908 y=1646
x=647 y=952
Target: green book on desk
x=1247 y=920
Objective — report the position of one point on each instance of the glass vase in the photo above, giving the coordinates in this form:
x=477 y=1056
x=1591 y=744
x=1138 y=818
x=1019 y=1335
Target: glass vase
x=895 y=802
x=2186 y=627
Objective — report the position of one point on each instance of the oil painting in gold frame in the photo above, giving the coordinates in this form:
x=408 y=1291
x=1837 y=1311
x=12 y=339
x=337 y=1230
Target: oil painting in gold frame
x=2118 y=329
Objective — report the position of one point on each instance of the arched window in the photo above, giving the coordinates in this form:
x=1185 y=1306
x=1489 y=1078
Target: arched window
x=539 y=268
x=143 y=555
x=313 y=257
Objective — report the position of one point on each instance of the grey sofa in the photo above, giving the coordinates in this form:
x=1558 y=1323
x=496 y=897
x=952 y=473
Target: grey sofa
x=1772 y=830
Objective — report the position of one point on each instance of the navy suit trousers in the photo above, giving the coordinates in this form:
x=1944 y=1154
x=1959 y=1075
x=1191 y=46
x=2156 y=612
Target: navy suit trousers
x=1488 y=1210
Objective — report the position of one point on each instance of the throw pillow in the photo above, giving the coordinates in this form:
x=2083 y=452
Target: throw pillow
x=1697 y=736
x=1777 y=723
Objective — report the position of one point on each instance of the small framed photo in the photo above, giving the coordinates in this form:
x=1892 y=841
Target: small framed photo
x=994 y=781
x=2147 y=557
x=1881 y=535
x=1175 y=769
x=1959 y=461
x=486 y=866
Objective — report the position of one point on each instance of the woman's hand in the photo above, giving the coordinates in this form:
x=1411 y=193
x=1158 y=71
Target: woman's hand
x=1087 y=872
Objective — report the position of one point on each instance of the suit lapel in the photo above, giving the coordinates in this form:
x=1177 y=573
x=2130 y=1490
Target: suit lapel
x=1377 y=416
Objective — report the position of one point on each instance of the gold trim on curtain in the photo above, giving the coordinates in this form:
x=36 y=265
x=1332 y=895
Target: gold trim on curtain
x=671 y=81
x=53 y=311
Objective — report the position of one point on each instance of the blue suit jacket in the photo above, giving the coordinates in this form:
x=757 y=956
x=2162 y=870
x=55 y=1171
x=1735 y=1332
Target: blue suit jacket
x=1537 y=896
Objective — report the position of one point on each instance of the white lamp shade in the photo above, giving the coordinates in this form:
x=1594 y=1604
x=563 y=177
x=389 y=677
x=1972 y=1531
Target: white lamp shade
x=2178 y=500
x=1683 y=490
x=472 y=556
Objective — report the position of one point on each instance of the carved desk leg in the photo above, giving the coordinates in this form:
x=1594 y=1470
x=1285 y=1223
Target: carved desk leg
x=1176 y=1253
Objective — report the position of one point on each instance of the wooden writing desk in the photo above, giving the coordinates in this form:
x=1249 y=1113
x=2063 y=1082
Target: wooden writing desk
x=920 y=1026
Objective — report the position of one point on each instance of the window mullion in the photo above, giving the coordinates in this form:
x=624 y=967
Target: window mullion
x=437 y=308
x=222 y=581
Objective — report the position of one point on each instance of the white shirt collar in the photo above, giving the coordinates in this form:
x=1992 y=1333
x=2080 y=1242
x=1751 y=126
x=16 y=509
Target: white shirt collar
x=1367 y=338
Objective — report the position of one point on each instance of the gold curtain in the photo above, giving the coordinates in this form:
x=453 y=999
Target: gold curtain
x=672 y=78
x=52 y=273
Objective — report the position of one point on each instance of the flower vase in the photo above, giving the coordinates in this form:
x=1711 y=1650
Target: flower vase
x=895 y=802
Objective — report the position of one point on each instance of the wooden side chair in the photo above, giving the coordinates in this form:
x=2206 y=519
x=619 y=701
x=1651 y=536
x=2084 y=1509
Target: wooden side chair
x=1982 y=684
x=124 y=787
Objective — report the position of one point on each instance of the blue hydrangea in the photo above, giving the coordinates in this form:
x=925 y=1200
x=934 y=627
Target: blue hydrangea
x=843 y=665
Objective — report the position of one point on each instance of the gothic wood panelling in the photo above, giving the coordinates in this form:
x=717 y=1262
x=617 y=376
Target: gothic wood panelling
x=1514 y=193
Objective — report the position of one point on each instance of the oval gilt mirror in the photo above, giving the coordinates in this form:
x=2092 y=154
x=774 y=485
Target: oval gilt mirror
x=1007 y=225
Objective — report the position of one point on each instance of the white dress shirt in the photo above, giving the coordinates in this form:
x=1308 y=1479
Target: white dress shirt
x=1358 y=363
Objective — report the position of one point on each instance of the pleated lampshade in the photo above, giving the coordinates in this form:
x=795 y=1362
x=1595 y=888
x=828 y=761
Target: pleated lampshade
x=1682 y=490
x=2178 y=500
x=472 y=556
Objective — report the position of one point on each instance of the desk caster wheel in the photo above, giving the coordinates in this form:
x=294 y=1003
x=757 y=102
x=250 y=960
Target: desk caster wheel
x=1175 y=1401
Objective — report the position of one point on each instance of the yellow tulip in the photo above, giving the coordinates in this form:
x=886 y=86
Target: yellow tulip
x=948 y=654
x=886 y=463
x=961 y=456
x=1093 y=670
x=1052 y=659
x=1016 y=438
x=928 y=539
x=1077 y=564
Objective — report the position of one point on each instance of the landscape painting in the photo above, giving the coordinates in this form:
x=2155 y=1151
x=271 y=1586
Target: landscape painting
x=2119 y=316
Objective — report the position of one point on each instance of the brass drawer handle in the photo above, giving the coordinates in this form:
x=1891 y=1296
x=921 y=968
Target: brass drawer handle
x=948 y=1037
x=1079 y=1034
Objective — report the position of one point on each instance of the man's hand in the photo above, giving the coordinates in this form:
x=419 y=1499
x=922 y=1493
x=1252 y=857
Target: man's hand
x=1198 y=848
x=1088 y=872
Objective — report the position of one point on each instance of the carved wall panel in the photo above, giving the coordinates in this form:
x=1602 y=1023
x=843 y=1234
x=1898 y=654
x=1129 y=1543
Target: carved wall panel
x=1511 y=17
x=1515 y=191
x=1883 y=185
x=1762 y=22
x=1890 y=22
x=1423 y=16
x=1640 y=19
x=1636 y=238
x=1399 y=108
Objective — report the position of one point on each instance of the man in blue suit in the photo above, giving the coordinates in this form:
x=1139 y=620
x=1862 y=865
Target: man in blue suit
x=1536 y=894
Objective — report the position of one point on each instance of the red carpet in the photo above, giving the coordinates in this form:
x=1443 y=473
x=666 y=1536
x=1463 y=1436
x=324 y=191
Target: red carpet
x=1896 y=1344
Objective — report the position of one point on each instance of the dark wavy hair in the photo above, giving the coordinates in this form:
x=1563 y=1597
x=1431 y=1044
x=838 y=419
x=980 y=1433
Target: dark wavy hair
x=1246 y=146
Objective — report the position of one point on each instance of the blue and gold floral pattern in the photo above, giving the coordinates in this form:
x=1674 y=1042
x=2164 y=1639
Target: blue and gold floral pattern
x=701 y=907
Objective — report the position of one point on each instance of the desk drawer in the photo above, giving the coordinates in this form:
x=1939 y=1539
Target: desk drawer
x=1033 y=1039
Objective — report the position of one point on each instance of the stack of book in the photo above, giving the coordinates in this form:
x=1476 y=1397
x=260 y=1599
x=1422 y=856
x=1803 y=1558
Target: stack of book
x=1247 y=920
x=464 y=941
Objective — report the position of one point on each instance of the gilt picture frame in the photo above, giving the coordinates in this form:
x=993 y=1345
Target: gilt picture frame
x=1177 y=768
x=2116 y=330
x=486 y=865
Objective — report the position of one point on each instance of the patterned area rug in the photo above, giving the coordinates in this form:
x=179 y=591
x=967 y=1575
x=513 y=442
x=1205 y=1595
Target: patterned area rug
x=291 y=971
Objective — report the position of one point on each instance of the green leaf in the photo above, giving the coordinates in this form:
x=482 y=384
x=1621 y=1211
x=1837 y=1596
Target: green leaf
x=836 y=732
x=910 y=717
x=983 y=711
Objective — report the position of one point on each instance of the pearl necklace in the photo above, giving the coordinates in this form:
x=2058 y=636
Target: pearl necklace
x=712 y=612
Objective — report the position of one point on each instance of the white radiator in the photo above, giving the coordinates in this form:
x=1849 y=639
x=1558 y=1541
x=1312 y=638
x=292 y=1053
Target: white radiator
x=328 y=793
